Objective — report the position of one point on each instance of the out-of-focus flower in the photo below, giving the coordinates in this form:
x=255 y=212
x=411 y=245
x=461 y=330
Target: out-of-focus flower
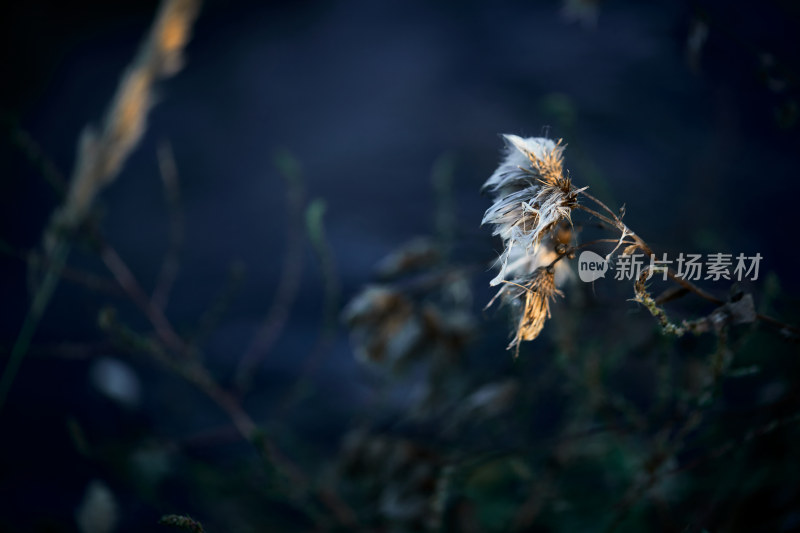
x=383 y=326
x=417 y=254
x=98 y=511
x=419 y=324
x=398 y=477
x=116 y=380
x=388 y=328
x=423 y=314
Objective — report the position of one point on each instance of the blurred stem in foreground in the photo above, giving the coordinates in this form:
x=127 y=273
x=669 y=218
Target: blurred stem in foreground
x=58 y=258
x=445 y=217
x=290 y=277
x=102 y=154
x=315 y=227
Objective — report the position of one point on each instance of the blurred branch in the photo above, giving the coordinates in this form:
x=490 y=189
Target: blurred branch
x=131 y=286
x=289 y=281
x=101 y=156
x=219 y=304
x=316 y=234
x=172 y=192
x=70 y=350
x=58 y=257
x=37 y=156
x=446 y=221
x=297 y=486
x=87 y=279
x=327 y=264
x=615 y=220
x=737 y=443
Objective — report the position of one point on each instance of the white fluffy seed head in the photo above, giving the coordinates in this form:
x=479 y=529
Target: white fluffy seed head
x=516 y=170
x=531 y=196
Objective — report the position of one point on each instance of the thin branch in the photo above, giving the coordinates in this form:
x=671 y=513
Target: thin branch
x=299 y=485
x=171 y=263
x=601 y=204
x=289 y=281
x=445 y=213
x=219 y=305
x=75 y=275
x=600 y=216
x=70 y=350
x=41 y=298
x=689 y=286
x=37 y=156
x=330 y=307
x=131 y=286
x=600 y=241
x=685 y=284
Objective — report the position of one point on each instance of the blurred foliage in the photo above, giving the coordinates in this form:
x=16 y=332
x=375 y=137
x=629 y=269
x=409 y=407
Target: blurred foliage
x=603 y=424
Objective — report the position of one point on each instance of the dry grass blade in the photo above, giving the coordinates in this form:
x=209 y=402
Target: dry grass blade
x=101 y=155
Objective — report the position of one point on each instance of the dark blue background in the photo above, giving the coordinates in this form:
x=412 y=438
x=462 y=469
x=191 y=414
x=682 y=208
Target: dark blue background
x=366 y=95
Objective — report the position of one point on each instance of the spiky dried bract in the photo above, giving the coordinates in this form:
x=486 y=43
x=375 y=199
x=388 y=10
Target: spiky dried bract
x=539 y=291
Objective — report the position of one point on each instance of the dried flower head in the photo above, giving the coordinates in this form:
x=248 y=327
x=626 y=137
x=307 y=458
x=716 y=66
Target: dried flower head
x=388 y=328
x=533 y=199
x=532 y=196
x=398 y=477
x=414 y=256
x=383 y=325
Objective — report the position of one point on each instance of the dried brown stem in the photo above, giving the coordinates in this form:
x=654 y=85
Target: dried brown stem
x=688 y=285
x=600 y=241
x=616 y=222
x=600 y=216
x=602 y=205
